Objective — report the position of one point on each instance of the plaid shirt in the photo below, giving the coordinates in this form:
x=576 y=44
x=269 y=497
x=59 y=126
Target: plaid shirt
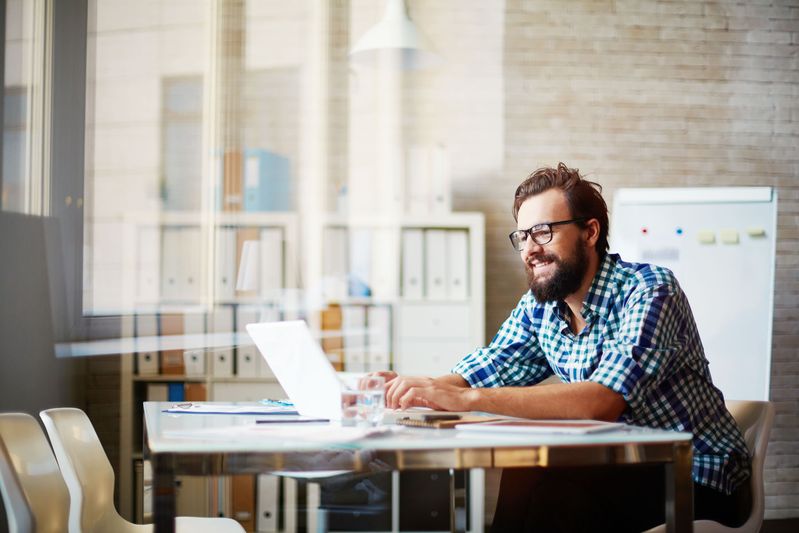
x=641 y=341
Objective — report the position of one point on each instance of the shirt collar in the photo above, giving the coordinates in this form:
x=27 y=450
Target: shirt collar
x=602 y=287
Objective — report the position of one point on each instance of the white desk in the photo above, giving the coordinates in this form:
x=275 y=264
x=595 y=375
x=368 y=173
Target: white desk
x=194 y=444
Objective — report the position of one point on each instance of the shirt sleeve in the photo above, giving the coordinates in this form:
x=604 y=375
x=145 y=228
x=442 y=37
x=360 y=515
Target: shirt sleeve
x=514 y=356
x=646 y=348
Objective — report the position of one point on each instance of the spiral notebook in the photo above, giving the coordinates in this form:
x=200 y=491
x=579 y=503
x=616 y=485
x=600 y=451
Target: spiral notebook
x=436 y=421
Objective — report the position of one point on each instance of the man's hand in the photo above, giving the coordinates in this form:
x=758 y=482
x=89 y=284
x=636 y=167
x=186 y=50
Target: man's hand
x=404 y=392
x=388 y=375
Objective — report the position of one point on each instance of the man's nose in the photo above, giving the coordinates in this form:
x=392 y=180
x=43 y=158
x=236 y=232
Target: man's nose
x=530 y=248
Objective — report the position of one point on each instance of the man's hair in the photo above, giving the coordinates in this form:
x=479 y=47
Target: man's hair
x=584 y=197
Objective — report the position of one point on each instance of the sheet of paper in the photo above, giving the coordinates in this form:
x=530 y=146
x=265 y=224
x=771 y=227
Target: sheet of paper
x=230 y=409
x=542 y=426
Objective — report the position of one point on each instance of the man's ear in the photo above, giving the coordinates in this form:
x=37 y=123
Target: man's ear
x=592 y=232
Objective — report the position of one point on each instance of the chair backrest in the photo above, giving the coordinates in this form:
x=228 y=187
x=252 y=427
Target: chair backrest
x=88 y=473
x=34 y=493
x=755 y=419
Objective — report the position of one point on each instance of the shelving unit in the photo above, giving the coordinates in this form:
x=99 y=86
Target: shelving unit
x=430 y=328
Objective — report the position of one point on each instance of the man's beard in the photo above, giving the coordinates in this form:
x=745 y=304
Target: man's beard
x=566 y=279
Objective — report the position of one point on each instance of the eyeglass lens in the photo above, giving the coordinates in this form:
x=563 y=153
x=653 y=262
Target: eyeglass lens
x=540 y=236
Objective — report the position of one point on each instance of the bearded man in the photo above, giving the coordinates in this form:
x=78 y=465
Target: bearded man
x=622 y=341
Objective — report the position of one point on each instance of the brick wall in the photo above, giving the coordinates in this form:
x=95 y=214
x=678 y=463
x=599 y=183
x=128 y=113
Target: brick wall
x=661 y=93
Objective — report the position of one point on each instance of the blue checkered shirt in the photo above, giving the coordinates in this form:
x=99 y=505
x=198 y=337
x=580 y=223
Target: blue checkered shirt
x=641 y=341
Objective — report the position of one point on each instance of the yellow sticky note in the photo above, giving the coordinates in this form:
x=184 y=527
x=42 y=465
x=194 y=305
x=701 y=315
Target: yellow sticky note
x=756 y=232
x=706 y=236
x=728 y=236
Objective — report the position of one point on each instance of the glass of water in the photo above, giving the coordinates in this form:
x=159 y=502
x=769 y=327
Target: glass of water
x=363 y=401
x=371 y=400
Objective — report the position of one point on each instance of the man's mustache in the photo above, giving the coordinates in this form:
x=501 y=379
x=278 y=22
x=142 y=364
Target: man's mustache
x=540 y=257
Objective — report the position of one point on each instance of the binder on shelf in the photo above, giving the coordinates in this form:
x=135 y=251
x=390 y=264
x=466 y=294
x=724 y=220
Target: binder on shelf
x=225 y=276
x=220 y=495
x=247 y=361
x=334 y=263
x=246 y=353
x=360 y=261
x=271 y=275
x=458 y=264
x=147 y=492
x=412 y=264
x=190 y=264
x=195 y=392
x=222 y=358
x=435 y=266
x=157 y=392
x=231 y=180
x=267 y=504
x=332 y=342
x=175 y=392
x=191 y=496
x=222 y=362
x=194 y=360
x=378 y=351
x=147 y=362
x=172 y=360
x=170 y=264
x=243 y=501
x=243 y=235
x=353 y=328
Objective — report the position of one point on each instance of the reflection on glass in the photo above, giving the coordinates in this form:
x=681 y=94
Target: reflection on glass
x=193 y=148
x=16 y=97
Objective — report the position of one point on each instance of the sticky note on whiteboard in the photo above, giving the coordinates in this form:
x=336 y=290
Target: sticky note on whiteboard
x=706 y=236
x=756 y=232
x=728 y=236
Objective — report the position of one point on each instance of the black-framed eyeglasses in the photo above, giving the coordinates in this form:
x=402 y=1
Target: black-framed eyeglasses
x=540 y=233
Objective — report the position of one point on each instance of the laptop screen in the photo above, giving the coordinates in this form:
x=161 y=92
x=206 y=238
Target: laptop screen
x=301 y=367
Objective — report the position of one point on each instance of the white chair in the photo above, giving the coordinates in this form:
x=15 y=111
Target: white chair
x=755 y=419
x=90 y=480
x=35 y=496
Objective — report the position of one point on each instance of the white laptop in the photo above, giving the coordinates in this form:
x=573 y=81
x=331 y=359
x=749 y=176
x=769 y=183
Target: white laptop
x=305 y=372
x=301 y=367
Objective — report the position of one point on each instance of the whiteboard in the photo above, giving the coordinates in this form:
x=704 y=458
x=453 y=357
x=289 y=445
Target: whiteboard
x=720 y=244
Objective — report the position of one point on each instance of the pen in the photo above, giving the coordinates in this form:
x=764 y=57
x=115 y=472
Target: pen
x=277 y=403
x=290 y=421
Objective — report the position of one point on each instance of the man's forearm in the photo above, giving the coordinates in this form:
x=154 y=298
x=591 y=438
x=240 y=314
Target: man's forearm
x=452 y=379
x=585 y=400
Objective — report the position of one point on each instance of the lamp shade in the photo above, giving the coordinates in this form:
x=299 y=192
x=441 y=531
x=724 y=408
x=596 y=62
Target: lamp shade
x=395 y=34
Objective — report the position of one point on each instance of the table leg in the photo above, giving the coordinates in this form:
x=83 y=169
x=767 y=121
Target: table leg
x=680 y=490
x=302 y=506
x=457 y=501
x=163 y=495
